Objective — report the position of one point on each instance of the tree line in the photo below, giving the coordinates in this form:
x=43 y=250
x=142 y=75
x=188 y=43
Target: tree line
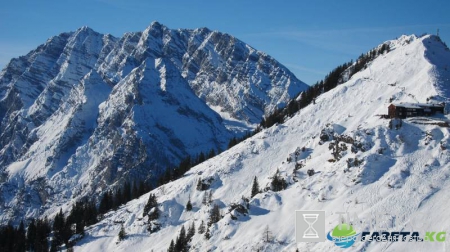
x=40 y=231
x=174 y=173
x=337 y=76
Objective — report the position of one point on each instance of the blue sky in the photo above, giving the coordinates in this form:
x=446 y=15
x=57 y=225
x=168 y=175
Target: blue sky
x=309 y=37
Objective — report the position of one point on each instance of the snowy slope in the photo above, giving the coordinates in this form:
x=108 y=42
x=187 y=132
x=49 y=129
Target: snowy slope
x=403 y=176
x=86 y=112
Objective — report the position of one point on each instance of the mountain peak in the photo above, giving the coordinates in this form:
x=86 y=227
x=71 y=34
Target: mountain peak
x=128 y=95
x=85 y=29
x=155 y=25
x=405 y=37
x=154 y=30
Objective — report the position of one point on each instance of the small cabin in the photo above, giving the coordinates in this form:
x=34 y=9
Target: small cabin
x=404 y=110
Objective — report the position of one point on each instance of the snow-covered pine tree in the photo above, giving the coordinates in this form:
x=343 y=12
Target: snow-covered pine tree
x=189 y=205
x=214 y=215
x=191 y=232
x=255 y=187
x=207 y=234
x=267 y=234
x=151 y=203
x=205 y=198
x=210 y=197
x=122 y=233
x=278 y=183
x=171 y=247
x=181 y=244
x=201 y=228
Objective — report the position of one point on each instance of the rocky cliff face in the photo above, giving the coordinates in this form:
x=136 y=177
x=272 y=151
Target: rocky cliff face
x=85 y=112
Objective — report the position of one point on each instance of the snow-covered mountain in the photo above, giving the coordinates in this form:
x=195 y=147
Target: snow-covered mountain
x=401 y=175
x=86 y=111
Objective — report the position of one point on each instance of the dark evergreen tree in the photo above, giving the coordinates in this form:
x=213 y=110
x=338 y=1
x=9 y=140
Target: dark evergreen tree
x=172 y=174
x=83 y=214
x=201 y=228
x=207 y=234
x=135 y=191
x=42 y=232
x=89 y=216
x=214 y=215
x=152 y=211
x=201 y=158
x=20 y=239
x=191 y=232
x=303 y=100
x=118 y=198
x=210 y=197
x=151 y=204
x=169 y=175
x=31 y=235
x=13 y=239
x=153 y=214
x=189 y=205
x=267 y=235
x=106 y=203
x=255 y=187
x=292 y=107
x=59 y=230
x=211 y=154
x=142 y=188
x=79 y=227
x=127 y=192
x=278 y=183
x=122 y=234
x=233 y=142
x=171 y=247
x=202 y=185
x=7 y=238
x=205 y=198
x=336 y=149
x=184 y=166
x=181 y=243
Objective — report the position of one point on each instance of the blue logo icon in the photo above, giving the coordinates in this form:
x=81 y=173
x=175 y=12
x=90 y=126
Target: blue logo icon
x=343 y=235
